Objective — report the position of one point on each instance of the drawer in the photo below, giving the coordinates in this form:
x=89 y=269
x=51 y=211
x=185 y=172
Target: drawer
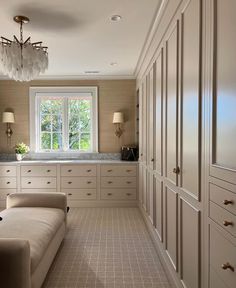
x=7 y=182
x=78 y=182
x=224 y=218
x=4 y=193
x=118 y=170
x=215 y=281
x=224 y=198
x=38 y=182
x=38 y=190
x=79 y=170
x=118 y=182
x=38 y=170
x=118 y=194
x=80 y=194
x=223 y=254
x=7 y=171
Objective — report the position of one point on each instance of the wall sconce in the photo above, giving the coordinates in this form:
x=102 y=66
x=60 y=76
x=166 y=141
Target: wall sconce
x=118 y=120
x=8 y=117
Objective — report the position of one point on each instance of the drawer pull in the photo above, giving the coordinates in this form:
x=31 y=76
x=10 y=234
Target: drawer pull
x=176 y=170
x=89 y=194
x=8 y=182
x=48 y=171
x=227 y=266
x=29 y=182
x=141 y=154
x=110 y=170
x=128 y=182
x=8 y=194
x=152 y=160
x=70 y=194
x=29 y=171
x=128 y=170
x=8 y=171
x=48 y=182
x=89 y=170
x=109 y=182
x=227 y=202
x=228 y=223
x=69 y=170
x=89 y=182
x=109 y=194
x=128 y=194
x=69 y=182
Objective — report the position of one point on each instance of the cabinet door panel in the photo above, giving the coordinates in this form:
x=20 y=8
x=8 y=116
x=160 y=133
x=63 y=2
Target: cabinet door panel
x=171 y=104
x=144 y=120
x=224 y=101
x=159 y=208
x=189 y=243
x=150 y=110
x=190 y=99
x=159 y=114
x=150 y=197
x=171 y=224
x=144 y=190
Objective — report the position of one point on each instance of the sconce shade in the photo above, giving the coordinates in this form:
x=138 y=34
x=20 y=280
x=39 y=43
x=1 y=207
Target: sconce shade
x=8 y=117
x=118 y=117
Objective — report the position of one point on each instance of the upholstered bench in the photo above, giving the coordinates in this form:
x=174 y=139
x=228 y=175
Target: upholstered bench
x=31 y=231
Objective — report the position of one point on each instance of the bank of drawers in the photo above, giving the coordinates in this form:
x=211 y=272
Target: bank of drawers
x=222 y=251
x=8 y=181
x=118 y=182
x=79 y=182
x=38 y=178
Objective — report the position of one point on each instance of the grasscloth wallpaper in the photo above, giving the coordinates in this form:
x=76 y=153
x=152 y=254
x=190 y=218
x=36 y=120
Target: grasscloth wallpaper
x=113 y=95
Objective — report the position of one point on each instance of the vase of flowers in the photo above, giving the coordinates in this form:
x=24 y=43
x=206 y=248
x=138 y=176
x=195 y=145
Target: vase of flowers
x=21 y=149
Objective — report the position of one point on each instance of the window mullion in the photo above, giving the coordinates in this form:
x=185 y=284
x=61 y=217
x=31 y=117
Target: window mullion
x=65 y=124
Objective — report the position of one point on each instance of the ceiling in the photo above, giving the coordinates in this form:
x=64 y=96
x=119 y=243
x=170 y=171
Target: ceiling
x=79 y=34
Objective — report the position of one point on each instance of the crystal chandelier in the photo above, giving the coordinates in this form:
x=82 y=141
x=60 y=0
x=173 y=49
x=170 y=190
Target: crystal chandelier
x=22 y=60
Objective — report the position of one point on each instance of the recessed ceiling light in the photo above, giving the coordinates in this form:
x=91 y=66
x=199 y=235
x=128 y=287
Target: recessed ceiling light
x=113 y=63
x=92 y=72
x=115 y=18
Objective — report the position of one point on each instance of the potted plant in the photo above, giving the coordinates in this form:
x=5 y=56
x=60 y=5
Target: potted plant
x=21 y=149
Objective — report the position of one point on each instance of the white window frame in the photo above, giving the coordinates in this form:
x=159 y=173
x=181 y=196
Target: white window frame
x=37 y=92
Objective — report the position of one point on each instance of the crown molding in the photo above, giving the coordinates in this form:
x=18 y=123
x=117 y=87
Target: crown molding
x=79 y=77
x=148 y=41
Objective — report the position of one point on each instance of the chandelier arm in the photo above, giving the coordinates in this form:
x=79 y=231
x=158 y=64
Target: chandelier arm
x=16 y=39
x=36 y=43
x=28 y=39
x=6 y=39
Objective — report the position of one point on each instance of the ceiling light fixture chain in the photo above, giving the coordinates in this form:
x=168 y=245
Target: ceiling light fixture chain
x=22 y=60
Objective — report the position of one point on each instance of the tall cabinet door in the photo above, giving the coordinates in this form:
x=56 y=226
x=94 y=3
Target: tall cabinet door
x=144 y=121
x=171 y=117
x=223 y=147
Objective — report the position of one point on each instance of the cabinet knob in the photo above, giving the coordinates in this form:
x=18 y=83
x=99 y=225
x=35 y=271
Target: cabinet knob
x=69 y=182
x=128 y=194
x=176 y=170
x=109 y=194
x=29 y=182
x=128 y=182
x=226 y=266
x=29 y=171
x=69 y=170
x=89 y=170
x=109 y=182
x=89 y=182
x=128 y=170
x=141 y=154
x=8 y=171
x=152 y=160
x=48 y=171
x=48 y=182
x=69 y=194
x=8 y=194
x=227 y=223
x=227 y=202
x=8 y=182
x=89 y=194
x=110 y=170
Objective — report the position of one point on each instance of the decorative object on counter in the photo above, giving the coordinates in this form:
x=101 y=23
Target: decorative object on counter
x=118 y=120
x=8 y=118
x=22 y=60
x=21 y=149
x=129 y=153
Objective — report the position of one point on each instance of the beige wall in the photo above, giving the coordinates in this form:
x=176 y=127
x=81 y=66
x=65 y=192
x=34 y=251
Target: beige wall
x=114 y=95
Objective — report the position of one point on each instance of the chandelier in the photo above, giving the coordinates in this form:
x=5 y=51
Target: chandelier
x=22 y=60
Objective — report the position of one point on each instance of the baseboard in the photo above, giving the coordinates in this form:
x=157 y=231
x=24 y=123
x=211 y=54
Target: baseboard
x=171 y=274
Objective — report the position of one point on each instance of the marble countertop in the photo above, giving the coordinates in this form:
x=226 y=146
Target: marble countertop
x=66 y=161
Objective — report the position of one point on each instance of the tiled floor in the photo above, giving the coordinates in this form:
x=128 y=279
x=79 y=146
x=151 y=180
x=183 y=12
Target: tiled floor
x=106 y=247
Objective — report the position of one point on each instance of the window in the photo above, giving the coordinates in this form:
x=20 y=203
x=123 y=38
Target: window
x=63 y=119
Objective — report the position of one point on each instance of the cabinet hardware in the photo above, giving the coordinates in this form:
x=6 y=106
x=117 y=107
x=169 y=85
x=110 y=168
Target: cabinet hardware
x=29 y=171
x=29 y=182
x=69 y=170
x=110 y=170
x=128 y=182
x=141 y=154
x=8 y=182
x=89 y=182
x=70 y=194
x=89 y=194
x=109 y=182
x=48 y=182
x=8 y=171
x=226 y=266
x=48 y=171
x=227 y=202
x=109 y=194
x=128 y=194
x=152 y=160
x=8 y=194
x=89 y=170
x=128 y=170
x=176 y=170
x=228 y=223
x=69 y=182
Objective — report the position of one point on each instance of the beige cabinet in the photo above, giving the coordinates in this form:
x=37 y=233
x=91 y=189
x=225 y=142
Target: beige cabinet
x=8 y=182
